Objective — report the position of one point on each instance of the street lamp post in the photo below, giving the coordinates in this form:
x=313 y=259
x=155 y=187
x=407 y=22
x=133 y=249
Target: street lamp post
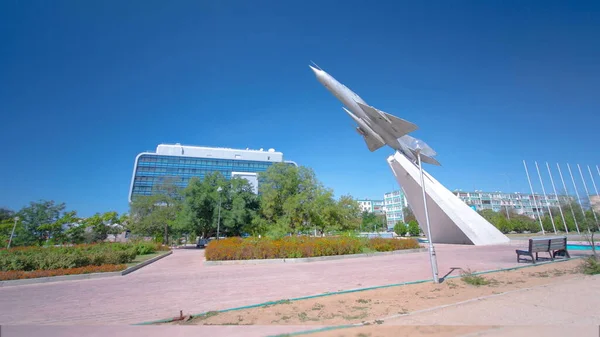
x=13 y=232
x=219 y=189
x=432 y=256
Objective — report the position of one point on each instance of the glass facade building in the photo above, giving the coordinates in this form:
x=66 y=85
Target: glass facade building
x=181 y=163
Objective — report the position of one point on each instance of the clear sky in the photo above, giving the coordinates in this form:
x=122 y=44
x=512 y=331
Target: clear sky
x=87 y=85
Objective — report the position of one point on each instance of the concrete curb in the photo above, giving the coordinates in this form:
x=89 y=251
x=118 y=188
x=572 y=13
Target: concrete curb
x=50 y=279
x=145 y=263
x=312 y=259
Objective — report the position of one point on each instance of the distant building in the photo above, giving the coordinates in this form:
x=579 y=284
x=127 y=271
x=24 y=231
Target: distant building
x=182 y=162
x=371 y=206
x=521 y=203
x=394 y=203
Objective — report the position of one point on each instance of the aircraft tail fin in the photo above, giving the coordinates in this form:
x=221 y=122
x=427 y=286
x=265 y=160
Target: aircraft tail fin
x=372 y=143
x=399 y=126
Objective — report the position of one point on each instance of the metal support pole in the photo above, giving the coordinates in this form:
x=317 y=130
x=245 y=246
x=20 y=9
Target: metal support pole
x=219 y=217
x=432 y=256
x=587 y=194
x=570 y=204
x=509 y=189
x=595 y=189
x=562 y=216
x=534 y=202
x=13 y=232
x=546 y=197
x=577 y=194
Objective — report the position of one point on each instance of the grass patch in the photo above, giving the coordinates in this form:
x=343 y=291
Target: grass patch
x=475 y=280
x=591 y=266
x=141 y=258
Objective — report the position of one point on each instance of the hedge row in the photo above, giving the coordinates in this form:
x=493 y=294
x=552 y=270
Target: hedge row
x=76 y=256
x=296 y=247
x=19 y=274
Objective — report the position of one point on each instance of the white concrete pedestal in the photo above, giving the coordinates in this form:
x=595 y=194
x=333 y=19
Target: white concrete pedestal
x=452 y=221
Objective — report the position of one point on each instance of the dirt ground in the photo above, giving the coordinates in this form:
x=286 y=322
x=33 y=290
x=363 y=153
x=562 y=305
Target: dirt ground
x=373 y=306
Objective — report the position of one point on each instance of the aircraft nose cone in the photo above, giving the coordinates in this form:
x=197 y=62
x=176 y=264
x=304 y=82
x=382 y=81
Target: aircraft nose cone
x=315 y=70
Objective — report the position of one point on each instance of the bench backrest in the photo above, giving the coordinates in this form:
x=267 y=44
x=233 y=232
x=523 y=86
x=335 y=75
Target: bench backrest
x=558 y=243
x=547 y=244
x=539 y=245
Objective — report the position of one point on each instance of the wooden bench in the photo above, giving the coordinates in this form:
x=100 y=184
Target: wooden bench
x=554 y=246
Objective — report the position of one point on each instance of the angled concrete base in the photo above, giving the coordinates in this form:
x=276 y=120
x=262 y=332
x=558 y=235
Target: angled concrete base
x=452 y=221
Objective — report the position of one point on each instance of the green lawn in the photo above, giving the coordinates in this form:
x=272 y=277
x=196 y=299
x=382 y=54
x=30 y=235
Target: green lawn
x=142 y=258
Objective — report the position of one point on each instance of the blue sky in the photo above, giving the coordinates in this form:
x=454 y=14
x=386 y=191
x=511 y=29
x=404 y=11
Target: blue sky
x=87 y=85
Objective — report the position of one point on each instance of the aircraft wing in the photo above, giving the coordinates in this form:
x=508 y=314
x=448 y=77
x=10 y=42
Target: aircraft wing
x=426 y=159
x=372 y=143
x=399 y=126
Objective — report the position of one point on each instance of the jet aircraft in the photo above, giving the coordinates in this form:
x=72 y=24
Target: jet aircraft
x=378 y=128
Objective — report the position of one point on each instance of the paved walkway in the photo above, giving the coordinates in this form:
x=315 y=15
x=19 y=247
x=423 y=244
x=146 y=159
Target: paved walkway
x=181 y=282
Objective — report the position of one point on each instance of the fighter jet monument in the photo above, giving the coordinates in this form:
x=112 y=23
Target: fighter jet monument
x=452 y=221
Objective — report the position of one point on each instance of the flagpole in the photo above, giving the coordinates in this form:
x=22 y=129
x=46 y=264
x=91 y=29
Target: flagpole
x=570 y=203
x=577 y=194
x=545 y=197
x=534 y=202
x=557 y=198
x=587 y=194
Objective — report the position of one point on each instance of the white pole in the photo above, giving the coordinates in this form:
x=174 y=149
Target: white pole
x=508 y=202
x=557 y=199
x=570 y=204
x=595 y=189
x=577 y=194
x=593 y=181
x=13 y=232
x=545 y=197
x=219 y=217
x=587 y=194
x=534 y=202
x=432 y=256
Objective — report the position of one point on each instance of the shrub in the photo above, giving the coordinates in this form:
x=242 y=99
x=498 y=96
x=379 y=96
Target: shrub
x=591 y=265
x=19 y=274
x=75 y=256
x=413 y=228
x=296 y=247
x=400 y=228
x=475 y=280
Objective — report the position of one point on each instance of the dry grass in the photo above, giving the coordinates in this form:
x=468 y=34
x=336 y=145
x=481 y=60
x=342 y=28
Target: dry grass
x=374 y=305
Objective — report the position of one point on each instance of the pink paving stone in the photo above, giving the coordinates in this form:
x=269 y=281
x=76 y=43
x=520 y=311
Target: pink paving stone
x=181 y=282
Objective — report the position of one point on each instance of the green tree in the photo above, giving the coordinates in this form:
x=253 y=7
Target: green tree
x=57 y=231
x=154 y=214
x=199 y=212
x=504 y=225
x=350 y=216
x=370 y=221
x=239 y=207
x=413 y=228
x=37 y=214
x=6 y=214
x=400 y=228
x=287 y=194
x=7 y=221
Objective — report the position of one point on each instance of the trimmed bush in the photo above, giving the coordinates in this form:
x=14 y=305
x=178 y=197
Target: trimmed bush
x=19 y=274
x=76 y=256
x=297 y=247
